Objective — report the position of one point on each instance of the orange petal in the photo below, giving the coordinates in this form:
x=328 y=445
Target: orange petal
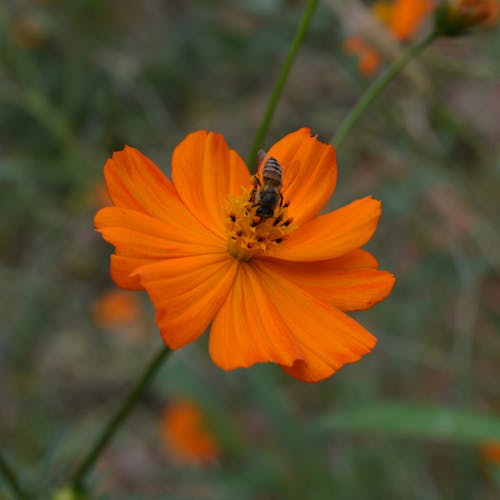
x=205 y=171
x=248 y=329
x=122 y=269
x=309 y=173
x=187 y=292
x=190 y=237
x=357 y=259
x=407 y=15
x=140 y=245
x=142 y=239
x=332 y=234
x=328 y=337
x=135 y=182
x=349 y=289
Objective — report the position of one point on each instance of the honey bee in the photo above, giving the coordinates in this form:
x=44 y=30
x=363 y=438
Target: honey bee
x=267 y=194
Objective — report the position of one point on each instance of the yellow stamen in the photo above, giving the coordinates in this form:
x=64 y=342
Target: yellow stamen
x=248 y=234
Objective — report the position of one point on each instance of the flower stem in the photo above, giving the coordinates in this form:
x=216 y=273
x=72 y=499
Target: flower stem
x=378 y=86
x=117 y=419
x=11 y=479
x=280 y=83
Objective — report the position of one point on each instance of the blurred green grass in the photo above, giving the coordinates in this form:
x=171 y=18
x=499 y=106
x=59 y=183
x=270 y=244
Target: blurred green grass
x=79 y=79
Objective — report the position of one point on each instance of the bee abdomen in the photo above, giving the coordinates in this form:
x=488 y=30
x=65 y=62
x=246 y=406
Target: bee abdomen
x=272 y=171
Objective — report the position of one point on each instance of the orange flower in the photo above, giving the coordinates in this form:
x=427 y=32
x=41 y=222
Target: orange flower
x=368 y=58
x=185 y=433
x=491 y=452
x=115 y=308
x=407 y=16
x=274 y=289
x=382 y=10
x=455 y=17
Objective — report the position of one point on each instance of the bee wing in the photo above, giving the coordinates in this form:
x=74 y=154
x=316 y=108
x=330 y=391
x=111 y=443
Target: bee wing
x=260 y=159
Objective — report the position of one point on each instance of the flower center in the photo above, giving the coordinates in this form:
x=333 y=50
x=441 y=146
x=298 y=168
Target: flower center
x=250 y=234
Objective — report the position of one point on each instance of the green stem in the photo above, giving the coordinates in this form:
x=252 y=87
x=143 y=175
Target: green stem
x=11 y=479
x=280 y=83
x=377 y=87
x=118 y=418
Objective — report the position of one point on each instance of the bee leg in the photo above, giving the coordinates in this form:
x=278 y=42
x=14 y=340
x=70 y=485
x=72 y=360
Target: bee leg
x=256 y=186
x=283 y=204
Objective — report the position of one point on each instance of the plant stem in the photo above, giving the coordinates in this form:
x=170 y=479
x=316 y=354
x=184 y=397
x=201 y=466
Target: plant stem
x=280 y=83
x=377 y=87
x=11 y=479
x=118 y=418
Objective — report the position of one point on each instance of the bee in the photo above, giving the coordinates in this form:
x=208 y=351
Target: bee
x=267 y=194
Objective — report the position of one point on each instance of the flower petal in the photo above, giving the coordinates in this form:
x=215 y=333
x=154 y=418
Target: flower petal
x=140 y=239
x=349 y=289
x=357 y=259
x=309 y=173
x=122 y=269
x=135 y=182
x=187 y=292
x=407 y=16
x=248 y=329
x=332 y=234
x=328 y=337
x=187 y=237
x=205 y=171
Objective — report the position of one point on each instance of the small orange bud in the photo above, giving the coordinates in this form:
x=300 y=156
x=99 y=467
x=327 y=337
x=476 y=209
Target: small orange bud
x=491 y=452
x=116 y=309
x=186 y=434
x=369 y=62
x=368 y=58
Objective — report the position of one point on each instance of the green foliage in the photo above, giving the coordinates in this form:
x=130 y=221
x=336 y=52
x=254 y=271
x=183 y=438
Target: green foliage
x=414 y=421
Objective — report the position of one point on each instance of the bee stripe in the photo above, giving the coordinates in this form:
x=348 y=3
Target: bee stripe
x=272 y=171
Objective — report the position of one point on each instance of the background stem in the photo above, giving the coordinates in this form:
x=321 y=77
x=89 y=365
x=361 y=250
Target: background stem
x=280 y=83
x=118 y=418
x=377 y=87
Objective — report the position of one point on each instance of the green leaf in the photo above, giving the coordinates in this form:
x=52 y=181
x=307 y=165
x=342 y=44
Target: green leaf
x=415 y=421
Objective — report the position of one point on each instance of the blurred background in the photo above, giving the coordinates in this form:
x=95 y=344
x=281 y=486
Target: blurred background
x=81 y=78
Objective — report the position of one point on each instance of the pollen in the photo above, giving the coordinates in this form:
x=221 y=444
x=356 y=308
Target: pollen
x=249 y=234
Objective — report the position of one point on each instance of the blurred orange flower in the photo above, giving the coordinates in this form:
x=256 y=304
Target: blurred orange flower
x=455 y=17
x=116 y=309
x=368 y=58
x=185 y=432
x=383 y=11
x=403 y=18
x=274 y=288
x=406 y=17
x=491 y=452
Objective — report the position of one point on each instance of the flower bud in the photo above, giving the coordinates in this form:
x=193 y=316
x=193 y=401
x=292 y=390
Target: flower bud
x=455 y=17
